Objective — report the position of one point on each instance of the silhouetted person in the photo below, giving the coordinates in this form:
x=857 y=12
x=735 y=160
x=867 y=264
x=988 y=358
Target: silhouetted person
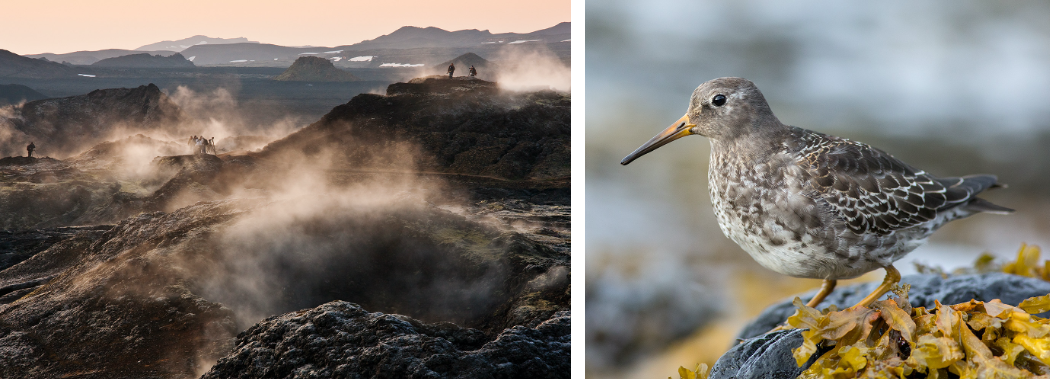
x=473 y=72
x=451 y=69
x=200 y=145
x=30 y=149
x=211 y=143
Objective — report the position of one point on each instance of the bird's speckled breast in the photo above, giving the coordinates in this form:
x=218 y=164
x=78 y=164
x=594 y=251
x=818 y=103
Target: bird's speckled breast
x=766 y=207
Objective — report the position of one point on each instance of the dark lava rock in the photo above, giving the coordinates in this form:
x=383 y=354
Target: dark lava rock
x=768 y=356
x=314 y=69
x=442 y=84
x=468 y=134
x=161 y=295
x=115 y=305
x=17 y=246
x=66 y=126
x=342 y=340
x=145 y=60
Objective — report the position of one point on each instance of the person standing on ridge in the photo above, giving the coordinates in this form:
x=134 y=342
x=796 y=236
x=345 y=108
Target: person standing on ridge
x=451 y=69
x=473 y=72
x=211 y=143
x=30 y=149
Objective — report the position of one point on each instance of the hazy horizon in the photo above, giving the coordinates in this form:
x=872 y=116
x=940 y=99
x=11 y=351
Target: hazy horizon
x=69 y=26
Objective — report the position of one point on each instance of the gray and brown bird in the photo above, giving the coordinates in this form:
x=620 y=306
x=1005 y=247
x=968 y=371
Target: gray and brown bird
x=811 y=205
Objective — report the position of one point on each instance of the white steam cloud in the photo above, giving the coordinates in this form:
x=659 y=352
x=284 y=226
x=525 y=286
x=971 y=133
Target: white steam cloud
x=529 y=67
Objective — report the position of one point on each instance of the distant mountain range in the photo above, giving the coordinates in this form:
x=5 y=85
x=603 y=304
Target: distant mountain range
x=145 y=60
x=408 y=45
x=84 y=58
x=186 y=43
x=16 y=66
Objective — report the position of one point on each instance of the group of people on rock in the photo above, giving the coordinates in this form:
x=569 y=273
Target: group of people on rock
x=201 y=145
x=452 y=68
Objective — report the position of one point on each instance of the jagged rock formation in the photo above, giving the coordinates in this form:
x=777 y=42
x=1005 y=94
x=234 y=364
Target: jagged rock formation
x=145 y=60
x=17 y=93
x=763 y=355
x=66 y=126
x=315 y=69
x=15 y=66
x=461 y=127
x=342 y=340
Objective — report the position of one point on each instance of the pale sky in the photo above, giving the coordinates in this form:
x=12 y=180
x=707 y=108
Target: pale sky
x=63 y=26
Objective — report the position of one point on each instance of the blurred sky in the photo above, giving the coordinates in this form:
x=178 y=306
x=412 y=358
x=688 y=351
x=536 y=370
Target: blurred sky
x=63 y=26
x=953 y=87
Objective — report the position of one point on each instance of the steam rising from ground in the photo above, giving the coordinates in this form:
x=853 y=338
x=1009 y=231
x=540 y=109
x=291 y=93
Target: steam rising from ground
x=310 y=241
x=531 y=68
x=12 y=141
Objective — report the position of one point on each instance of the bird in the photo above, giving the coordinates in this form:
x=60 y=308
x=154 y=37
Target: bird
x=812 y=205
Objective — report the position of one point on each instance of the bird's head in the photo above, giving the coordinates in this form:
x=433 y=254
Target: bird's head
x=720 y=109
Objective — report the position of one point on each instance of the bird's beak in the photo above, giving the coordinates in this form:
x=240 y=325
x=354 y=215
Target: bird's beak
x=679 y=129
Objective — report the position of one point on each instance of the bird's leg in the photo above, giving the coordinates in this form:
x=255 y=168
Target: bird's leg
x=892 y=277
x=825 y=290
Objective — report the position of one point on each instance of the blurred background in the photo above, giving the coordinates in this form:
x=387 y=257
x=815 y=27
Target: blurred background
x=952 y=87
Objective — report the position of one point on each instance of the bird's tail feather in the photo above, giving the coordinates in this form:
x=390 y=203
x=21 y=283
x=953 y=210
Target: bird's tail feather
x=982 y=205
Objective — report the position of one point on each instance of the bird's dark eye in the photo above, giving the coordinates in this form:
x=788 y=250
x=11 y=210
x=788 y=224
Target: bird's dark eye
x=718 y=100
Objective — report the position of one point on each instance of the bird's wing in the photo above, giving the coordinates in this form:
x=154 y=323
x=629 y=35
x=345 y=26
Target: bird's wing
x=870 y=190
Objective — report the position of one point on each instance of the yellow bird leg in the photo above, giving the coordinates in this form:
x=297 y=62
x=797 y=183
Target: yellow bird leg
x=825 y=290
x=892 y=277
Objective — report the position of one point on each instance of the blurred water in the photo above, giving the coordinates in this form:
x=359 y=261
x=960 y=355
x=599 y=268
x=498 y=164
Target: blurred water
x=953 y=87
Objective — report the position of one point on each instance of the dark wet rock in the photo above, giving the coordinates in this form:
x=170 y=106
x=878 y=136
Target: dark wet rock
x=762 y=357
x=342 y=340
x=63 y=127
x=769 y=356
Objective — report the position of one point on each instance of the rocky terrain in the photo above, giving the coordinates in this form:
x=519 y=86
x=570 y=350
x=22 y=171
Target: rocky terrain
x=312 y=344
x=314 y=69
x=422 y=233
x=145 y=60
x=461 y=127
x=63 y=127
